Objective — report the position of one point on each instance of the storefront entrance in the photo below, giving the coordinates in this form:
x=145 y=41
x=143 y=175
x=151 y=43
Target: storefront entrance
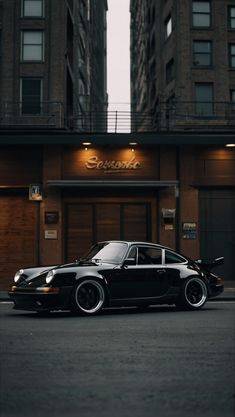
x=217 y=228
x=87 y=222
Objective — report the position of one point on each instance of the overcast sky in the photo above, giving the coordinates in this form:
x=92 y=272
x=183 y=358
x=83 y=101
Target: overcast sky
x=118 y=60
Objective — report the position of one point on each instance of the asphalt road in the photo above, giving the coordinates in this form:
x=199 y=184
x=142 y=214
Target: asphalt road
x=123 y=363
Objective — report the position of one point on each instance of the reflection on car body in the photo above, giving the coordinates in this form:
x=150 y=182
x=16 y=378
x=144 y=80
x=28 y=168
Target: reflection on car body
x=118 y=273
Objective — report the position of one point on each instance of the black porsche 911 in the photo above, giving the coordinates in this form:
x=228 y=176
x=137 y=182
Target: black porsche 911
x=118 y=273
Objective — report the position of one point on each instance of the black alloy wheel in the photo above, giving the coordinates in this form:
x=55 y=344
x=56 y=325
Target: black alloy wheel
x=88 y=297
x=193 y=294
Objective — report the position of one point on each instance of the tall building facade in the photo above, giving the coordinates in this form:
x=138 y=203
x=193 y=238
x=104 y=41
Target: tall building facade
x=52 y=71
x=52 y=83
x=183 y=83
x=183 y=65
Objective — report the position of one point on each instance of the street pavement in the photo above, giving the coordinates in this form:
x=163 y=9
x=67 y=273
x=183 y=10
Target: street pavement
x=121 y=363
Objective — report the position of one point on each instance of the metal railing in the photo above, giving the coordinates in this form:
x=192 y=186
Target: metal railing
x=45 y=114
x=209 y=115
x=174 y=116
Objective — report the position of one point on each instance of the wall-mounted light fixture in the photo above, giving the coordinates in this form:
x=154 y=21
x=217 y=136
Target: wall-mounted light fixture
x=230 y=145
x=86 y=144
x=133 y=145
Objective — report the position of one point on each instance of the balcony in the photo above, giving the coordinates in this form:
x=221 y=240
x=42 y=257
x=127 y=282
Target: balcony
x=191 y=115
x=171 y=117
x=44 y=115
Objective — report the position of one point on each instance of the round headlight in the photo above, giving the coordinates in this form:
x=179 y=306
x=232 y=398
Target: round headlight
x=18 y=275
x=50 y=276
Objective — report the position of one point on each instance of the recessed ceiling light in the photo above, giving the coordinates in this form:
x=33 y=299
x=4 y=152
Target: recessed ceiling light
x=230 y=145
x=86 y=143
x=133 y=143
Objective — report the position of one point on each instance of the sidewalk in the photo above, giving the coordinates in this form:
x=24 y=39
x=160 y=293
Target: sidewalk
x=228 y=294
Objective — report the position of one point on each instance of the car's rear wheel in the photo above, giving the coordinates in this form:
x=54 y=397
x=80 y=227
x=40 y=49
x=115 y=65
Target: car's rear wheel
x=193 y=294
x=88 y=297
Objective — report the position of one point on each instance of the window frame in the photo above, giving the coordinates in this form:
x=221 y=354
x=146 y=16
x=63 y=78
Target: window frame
x=0 y=43
x=41 y=45
x=232 y=99
x=231 y=18
x=195 y=14
x=206 y=102
x=231 y=55
x=35 y=16
x=21 y=96
x=183 y=259
x=209 y=54
x=148 y=247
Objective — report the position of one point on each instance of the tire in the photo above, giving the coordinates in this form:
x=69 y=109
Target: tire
x=193 y=295
x=88 y=297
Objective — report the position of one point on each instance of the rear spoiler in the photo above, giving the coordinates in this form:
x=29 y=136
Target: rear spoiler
x=210 y=264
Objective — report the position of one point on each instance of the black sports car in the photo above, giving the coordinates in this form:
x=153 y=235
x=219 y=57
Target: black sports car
x=118 y=273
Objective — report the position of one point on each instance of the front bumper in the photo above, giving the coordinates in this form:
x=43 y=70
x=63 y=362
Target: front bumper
x=41 y=299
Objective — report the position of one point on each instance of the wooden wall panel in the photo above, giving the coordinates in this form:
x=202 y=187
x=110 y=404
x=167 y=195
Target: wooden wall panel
x=215 y=167
x=18 y=236
x=88 y=223
x=107 y=221
x=135 y=222
x=79 y=230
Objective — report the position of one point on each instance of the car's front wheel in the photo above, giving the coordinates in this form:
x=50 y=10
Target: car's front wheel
x=88 y=297
x=193 y=294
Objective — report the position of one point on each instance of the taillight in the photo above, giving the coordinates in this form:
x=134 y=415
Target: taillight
x=219 y=280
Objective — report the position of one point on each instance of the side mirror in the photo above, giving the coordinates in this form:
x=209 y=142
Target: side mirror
x=129 y=261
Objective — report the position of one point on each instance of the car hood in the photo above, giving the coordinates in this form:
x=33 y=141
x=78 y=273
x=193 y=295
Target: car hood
x=37 y=275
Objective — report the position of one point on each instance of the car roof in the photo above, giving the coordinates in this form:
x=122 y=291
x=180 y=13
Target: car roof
x=137 y=242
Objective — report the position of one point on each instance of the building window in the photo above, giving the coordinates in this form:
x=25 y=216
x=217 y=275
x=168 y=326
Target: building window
x=232 y=55
x=168 y=26
x=201 y=13
x=170 y=71
x=204 y=99
x=32 y=8
x=202 y=53
x=0 y=44
x=32 y=45
x=231 y=17
x=232 y=99
x=31 y=95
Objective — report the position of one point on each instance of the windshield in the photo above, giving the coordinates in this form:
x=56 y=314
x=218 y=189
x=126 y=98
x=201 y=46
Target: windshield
x=112 y=252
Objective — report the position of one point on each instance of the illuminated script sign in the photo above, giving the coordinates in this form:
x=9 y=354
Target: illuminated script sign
x=112 y=165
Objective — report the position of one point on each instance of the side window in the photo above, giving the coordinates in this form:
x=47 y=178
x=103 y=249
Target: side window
x=133 y=253
x=149 y=256
x=173 y=258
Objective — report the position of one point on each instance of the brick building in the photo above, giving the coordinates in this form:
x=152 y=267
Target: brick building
x=183 y=79
x=171 y=180
x=52 y=80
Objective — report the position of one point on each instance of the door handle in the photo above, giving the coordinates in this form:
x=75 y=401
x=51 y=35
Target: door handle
x=161 y=271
